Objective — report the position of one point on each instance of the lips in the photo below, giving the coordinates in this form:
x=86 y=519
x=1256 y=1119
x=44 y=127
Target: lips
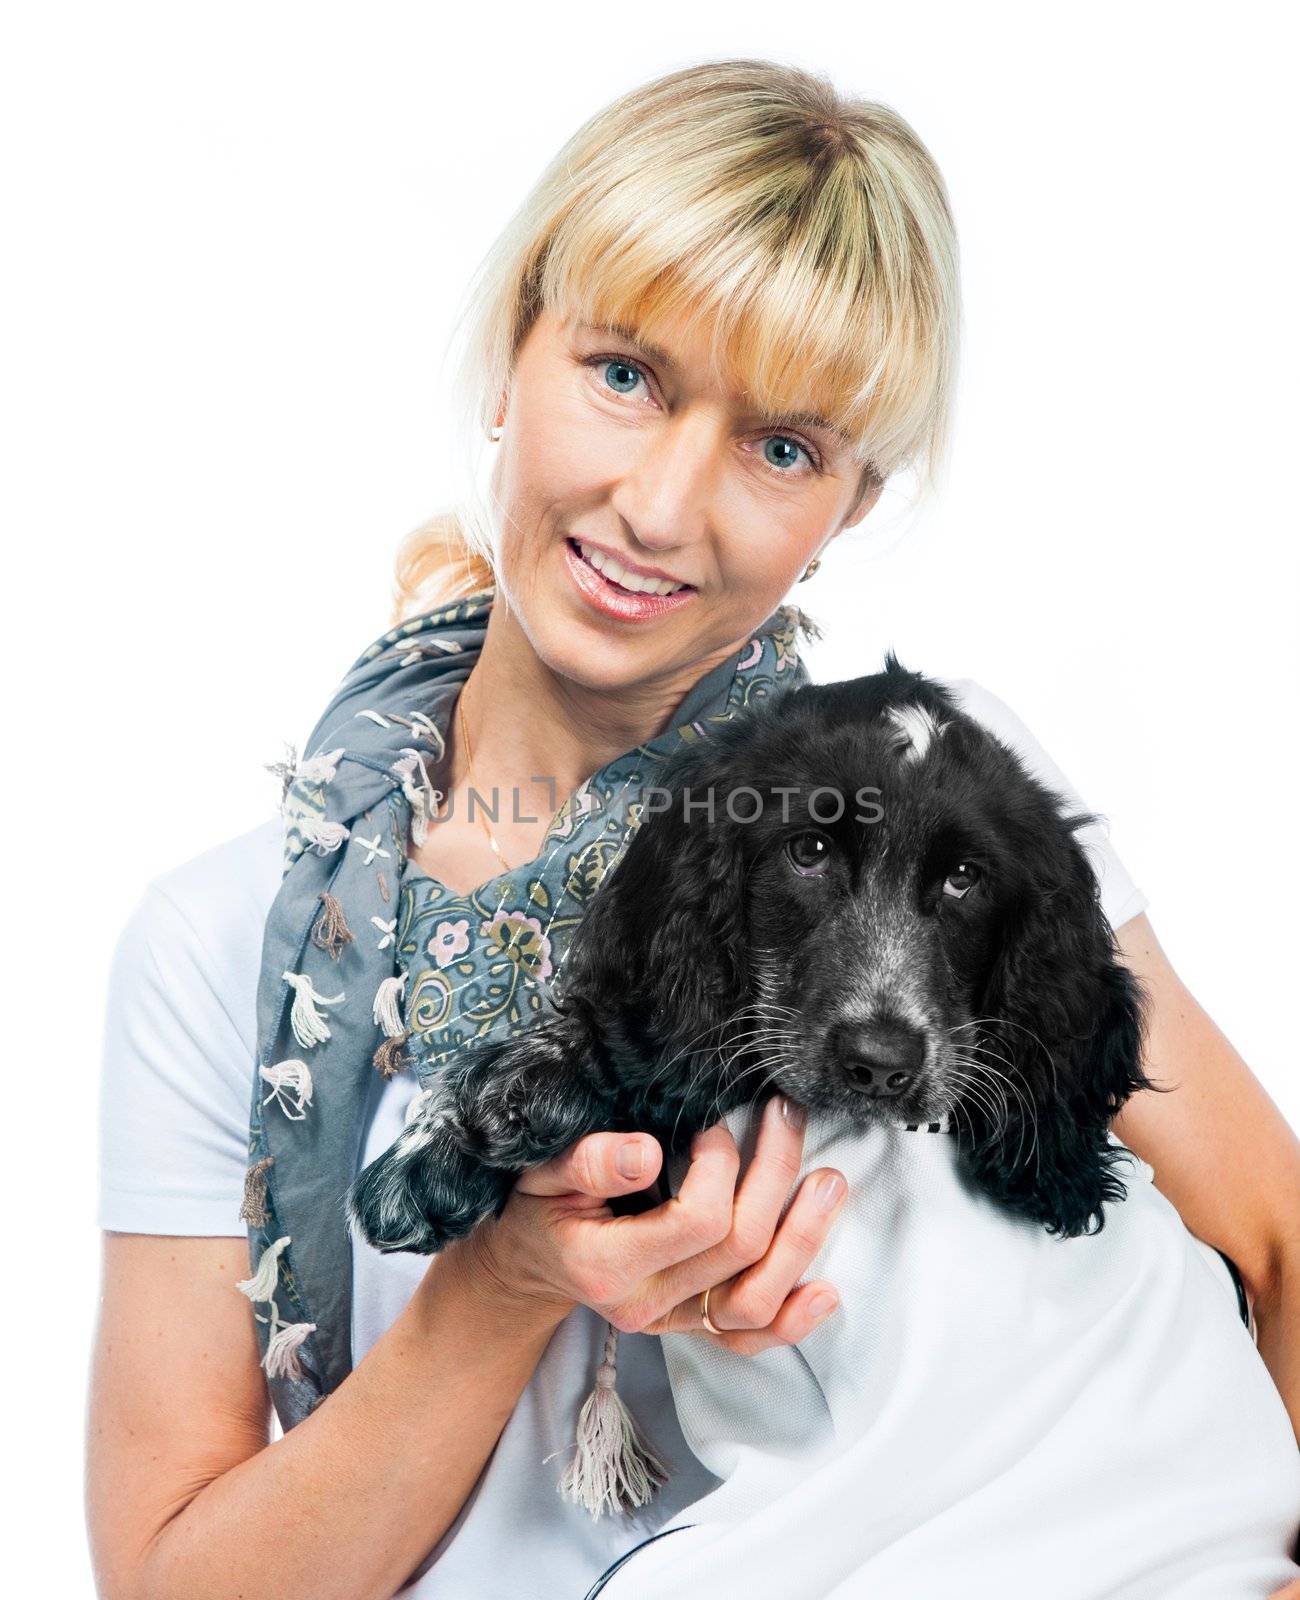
x=624 y=574
x=612 y=599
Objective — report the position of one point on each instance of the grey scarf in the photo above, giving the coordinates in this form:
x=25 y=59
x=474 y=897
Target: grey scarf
x=370 y=967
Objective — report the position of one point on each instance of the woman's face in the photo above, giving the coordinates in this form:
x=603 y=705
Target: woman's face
x=637 y=453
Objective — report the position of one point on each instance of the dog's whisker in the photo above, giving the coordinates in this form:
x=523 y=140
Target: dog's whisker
x=759 y=1067
x=993 y=1076
x=978 y=1092
x=1011 y=1065
x=1008 y=1022
x=687 y=1100
x=957 y=1110
x=760 y=1032
x=666 y=1065
x=991 y=1094
x=996 y=1083
x=1022 y=1095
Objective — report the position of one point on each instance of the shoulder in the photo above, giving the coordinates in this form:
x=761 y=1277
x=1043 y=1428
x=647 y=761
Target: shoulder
x=224 y=891
x=995 y=715
x=1121 y=898
x=194 y=935
x=179 y=1042
x=231 y=876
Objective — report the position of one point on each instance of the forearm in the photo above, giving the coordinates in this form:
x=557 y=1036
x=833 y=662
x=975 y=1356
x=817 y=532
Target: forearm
x=1222 y=1152
x=353 y=1498
x=1277 y=1322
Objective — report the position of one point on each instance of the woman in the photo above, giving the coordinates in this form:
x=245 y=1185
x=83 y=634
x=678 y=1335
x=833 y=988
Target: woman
x=725 y=316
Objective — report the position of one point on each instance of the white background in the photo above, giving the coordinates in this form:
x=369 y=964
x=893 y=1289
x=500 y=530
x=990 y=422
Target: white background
x=235 y=239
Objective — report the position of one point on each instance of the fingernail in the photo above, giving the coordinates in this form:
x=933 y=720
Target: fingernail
x=794 y=1113
x=821 y=1305
x=828 y=1191
x=630 y=1159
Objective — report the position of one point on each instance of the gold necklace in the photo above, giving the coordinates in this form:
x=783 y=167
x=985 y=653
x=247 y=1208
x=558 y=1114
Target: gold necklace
x=469 y=769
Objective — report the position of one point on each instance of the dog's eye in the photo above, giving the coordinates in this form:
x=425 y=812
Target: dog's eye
x=961 y=880
x=808 y=853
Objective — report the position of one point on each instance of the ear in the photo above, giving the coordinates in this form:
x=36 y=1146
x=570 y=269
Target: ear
x=665 y=938
x=870 y=485
x=1064 y=1027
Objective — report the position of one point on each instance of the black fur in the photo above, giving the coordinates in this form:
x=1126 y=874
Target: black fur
x=710 y=971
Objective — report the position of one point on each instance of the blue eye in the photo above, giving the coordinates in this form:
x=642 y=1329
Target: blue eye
x=780 y=451
x=781 y=443
x=626 y=372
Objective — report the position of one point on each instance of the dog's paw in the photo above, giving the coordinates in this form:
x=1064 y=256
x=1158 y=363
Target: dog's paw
x=423 y=1192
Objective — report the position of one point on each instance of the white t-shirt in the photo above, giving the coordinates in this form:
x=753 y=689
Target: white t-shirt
x=178 y=1062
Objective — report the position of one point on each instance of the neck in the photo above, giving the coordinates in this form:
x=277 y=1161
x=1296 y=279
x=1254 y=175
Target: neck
x=535 y=735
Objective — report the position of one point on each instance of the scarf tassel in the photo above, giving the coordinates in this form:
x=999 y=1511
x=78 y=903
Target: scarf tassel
x=321 y=835
x=261 y=1286
x=420 y=795
x=318 y=769
x=321 y=768
x=309 y=1027
x=281 y=1358
x=614 y=1469
x=288 y=1079
x=253 y=1209
x=331 y=932
x=390 y=1057
x=387 y=1010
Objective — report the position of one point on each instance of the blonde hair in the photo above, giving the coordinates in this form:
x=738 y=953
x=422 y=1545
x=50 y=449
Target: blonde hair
x=811 y=232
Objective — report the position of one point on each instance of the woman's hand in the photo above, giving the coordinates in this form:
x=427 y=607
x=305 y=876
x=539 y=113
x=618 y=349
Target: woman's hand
x=557 y=1243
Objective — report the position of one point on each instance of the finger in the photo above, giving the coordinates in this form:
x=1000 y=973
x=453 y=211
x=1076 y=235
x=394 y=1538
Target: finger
x=692 y=1220
x=754 y=1297
x=805 y=1308
x=600 y=1165
x=763 y=1191
x=777 y=1152
x=802 y=1311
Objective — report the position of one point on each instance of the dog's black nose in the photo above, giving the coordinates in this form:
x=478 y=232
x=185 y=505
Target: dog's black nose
x=879 y=1059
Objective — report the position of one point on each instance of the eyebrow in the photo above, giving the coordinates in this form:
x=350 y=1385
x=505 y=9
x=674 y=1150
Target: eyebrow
x=797 y=419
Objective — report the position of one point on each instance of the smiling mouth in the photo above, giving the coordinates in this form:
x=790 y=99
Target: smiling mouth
x=618 y=577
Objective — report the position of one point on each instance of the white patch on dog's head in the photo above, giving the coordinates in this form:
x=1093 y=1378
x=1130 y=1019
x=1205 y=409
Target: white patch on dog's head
x=915 y=730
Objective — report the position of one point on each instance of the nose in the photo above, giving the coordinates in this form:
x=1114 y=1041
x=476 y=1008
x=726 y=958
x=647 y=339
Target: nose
x=879 y=1059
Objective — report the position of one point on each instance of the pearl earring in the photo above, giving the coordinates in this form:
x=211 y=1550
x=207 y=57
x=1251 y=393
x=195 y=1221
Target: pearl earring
x=810 y=569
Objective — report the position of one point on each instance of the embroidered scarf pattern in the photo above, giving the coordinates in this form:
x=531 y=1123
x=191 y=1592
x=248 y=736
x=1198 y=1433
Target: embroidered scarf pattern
x=370 y=967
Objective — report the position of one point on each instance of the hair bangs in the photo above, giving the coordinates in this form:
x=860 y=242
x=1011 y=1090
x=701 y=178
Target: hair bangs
x=805 y=310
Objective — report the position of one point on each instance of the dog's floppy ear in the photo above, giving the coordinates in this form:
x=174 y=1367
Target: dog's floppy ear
x=668 y=929
x=1064 y=1023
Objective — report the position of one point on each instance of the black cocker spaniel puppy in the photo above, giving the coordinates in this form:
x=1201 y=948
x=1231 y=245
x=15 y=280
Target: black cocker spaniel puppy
x=854 y=895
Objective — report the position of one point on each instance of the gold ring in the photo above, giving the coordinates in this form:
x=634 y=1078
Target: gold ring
x=704 y=1314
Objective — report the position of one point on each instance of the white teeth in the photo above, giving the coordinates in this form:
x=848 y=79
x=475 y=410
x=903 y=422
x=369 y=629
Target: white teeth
x=620 y=575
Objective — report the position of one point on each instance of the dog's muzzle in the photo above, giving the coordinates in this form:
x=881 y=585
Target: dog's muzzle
x=881 y=1059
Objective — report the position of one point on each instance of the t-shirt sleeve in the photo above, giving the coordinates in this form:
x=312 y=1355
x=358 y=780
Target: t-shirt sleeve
x=1121 y=898
x=179 y=1045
